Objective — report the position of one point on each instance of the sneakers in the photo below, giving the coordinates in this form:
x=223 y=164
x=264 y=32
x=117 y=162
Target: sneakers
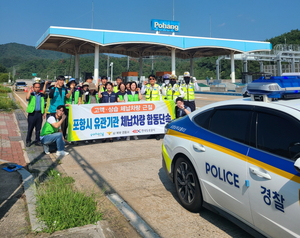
x=135 y=137
x=62 y=153
x=47 y=153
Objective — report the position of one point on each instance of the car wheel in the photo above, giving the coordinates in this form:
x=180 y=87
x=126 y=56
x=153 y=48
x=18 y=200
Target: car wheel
x=187 y=185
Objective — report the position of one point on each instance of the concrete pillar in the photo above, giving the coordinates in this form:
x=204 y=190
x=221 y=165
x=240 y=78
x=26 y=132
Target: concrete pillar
x=232 y=67
x=293 y=64
x=245 y=63
x=96 y=64
x=192 y=66
x=141 y=67
x=173 y=61
x=261 y=66
x=279 y=68
x=77 y=66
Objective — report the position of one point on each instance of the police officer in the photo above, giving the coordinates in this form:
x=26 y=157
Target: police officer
x=35 y=109
x=151 y=90
x=171 y=90
x=152 y=93
x=188 y=88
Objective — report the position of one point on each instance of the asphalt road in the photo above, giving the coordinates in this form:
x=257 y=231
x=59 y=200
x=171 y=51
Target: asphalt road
x=133 y=169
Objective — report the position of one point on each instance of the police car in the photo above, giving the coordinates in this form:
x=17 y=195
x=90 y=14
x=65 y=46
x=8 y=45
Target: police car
x=241 y=158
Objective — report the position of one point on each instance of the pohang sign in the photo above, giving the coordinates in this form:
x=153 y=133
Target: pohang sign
x=162 y=25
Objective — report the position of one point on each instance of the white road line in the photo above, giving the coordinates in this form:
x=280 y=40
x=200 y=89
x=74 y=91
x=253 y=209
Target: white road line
x=21 y=99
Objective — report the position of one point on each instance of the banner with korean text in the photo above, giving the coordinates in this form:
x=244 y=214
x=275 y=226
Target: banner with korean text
x=95 y=121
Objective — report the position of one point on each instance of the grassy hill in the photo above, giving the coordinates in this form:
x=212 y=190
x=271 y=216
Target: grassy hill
x=14 y=54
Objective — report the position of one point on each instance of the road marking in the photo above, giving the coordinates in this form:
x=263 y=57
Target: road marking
x=21 y=99
x=134 y=219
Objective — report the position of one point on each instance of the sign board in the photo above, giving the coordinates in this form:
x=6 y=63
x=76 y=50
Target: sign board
x=163 y=25
x=106 y=120
x=34 y=74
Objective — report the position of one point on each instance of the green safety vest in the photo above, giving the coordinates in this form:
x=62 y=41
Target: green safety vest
x=172 y=92
x=31 y=104
x=70 y=99
x=89 y=102
x=133 y=98
x=48 y=129
x=189 y=92
x=154 y=94
x=116 y=89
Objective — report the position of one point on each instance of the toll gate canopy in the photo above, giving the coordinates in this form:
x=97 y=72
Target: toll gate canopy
x=76 y=41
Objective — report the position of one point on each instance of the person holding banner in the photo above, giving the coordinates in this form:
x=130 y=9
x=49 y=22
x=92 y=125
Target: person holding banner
x=122 y=93
x=52 y=133
x=133 y=96
x=108 y=97
x=152 y=92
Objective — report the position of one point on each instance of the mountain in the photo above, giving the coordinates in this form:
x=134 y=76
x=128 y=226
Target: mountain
x=292 y=37
x=12 y=54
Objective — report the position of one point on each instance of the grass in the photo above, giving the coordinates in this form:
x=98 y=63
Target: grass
x=6 y=103
x=60 y=206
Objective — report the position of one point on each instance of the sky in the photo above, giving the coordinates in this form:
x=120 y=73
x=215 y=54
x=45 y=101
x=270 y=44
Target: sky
x=25 y=21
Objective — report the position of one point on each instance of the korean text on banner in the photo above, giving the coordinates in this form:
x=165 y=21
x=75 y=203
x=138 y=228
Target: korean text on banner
x=95 y=121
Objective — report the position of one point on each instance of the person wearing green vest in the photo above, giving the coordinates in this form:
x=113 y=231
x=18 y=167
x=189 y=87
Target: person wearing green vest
x=171 y=90
x=122 y=93
x=75 y=94
x=35 y=109
x=51 y=132
x=151 y=90
x=135 y=93
x=89 y=93
x=102 y=87
x=188 y=88
x=118 y=81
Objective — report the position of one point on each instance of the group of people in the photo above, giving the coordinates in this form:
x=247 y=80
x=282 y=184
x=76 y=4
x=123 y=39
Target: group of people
x=54 y=106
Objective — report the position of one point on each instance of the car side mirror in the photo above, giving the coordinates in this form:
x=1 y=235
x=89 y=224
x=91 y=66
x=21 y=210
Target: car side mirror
x=297 y=165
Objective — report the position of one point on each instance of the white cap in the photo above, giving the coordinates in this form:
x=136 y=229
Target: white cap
x=186 y=74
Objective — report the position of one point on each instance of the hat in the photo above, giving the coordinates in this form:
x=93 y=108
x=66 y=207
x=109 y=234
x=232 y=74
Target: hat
x=92 y=86
x=173 y=76
x=186 y=74
x=85 y=84
x=71 y=80
x=166 y=76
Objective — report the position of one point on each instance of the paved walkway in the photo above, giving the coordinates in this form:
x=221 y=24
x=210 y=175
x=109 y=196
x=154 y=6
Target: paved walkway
x=11 y=144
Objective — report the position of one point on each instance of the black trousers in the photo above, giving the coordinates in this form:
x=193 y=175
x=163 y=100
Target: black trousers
x=34 y=120
x=191 y=105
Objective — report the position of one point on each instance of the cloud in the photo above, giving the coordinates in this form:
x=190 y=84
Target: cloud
x=223 y=24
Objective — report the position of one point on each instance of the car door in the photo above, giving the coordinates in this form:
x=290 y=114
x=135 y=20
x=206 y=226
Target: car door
x=274 y=183
x=222 y=163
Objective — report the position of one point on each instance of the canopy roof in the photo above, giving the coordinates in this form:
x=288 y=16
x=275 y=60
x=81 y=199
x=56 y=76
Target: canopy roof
x=82 y=41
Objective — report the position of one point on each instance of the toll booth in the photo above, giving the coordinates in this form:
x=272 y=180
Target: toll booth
x=130 y=76
x=159 y=76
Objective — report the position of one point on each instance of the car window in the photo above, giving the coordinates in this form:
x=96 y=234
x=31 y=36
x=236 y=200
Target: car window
x=278 y=134
x=232 y=123
x=21 y=83
x=203 y=118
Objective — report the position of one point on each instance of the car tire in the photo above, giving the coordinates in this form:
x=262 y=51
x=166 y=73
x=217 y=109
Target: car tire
x=187 y=185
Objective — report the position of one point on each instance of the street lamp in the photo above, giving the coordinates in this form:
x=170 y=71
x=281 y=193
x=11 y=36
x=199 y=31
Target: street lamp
x=111 y=71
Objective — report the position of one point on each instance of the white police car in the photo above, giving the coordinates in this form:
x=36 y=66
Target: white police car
x=241 y=158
